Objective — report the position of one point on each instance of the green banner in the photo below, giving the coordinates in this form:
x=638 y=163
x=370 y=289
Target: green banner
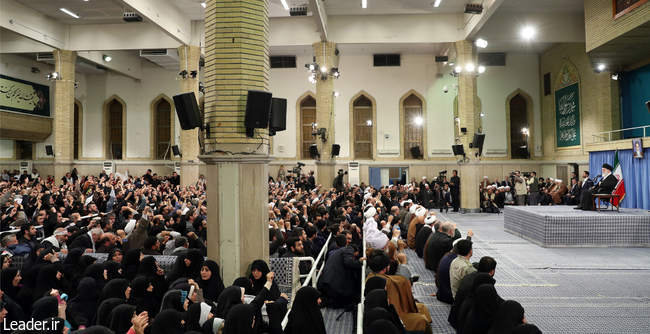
x=567 y=115
x=24 y=96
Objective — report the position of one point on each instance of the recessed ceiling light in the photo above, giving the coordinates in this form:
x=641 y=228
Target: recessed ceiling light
x=69 y=13
x=284 y=4
x=481 y=43
x=203 y=4
x=601 y=67
x=364 y=3
x=528 y=33
x=107 y=58
x=437 y=3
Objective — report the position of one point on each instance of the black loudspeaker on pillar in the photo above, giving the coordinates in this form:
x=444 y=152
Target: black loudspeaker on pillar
x=458 y=149
x=48 y=150
x=415 y=152
x=479 y=138
x=258 y=109
x=177 y=152
x=336 y=150
x=313 y=151
x=278 y=119
x=188 y=111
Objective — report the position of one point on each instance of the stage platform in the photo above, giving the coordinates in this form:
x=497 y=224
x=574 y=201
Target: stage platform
x=562 y=226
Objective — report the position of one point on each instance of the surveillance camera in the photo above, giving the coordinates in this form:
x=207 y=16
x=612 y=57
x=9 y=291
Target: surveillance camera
x=445 y=89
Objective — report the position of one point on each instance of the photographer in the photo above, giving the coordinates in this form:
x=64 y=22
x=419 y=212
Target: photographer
x=338 y=180
x=532 y=182
x=454 y=186
x=520 y=188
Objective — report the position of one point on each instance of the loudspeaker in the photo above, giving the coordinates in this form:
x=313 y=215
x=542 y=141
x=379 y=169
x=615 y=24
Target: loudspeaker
x=336 y=149
x=415 y=152
x=458 y=149
x=463 y=130
x=278 y=119
x=258 y=109
x=177 y=152
x=48 y=150
x=479 y=138
x=188 y=111
x=313 y=151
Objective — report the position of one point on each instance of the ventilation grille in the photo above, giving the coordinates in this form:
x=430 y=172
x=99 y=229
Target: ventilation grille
x=44 y=56
x=492 y=59
x=167 y=58
x=384 y=59
x=283 y=61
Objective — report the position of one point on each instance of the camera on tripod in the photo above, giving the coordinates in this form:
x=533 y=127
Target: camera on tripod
x=298 y=170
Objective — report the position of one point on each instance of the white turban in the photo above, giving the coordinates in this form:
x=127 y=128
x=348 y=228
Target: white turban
x=421 y=212
x=485 y=177
x=406 y=202
x=558 y=181
x=370 y=213
x=413 y=208
x=430 y=220
x=424 y=178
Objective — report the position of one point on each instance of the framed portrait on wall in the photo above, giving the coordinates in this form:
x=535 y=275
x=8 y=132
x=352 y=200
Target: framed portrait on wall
x=637 y=148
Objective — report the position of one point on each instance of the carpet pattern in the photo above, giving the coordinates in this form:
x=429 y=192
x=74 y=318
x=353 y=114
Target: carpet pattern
x=563 y=290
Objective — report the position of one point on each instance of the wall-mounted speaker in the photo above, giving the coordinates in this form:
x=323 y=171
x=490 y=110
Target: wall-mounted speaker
x=415 y=152
x=48 y=150
x=278 y=119
x=458 y=149
x=188 y=111
x=479 y=138
x=336 y=150
x=177 y=152
x=313 y=151
x=258 y=109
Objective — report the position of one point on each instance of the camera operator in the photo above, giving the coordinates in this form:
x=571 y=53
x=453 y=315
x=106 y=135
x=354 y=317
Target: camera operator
x=520 y=188
x=533 y=184
x=454 y=185
x=338 y=180
x=311 y=181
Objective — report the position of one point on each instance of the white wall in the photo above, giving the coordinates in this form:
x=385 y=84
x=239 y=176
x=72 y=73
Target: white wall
x=496 y=84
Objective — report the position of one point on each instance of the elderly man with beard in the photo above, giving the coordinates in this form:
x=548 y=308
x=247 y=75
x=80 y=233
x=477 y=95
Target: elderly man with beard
x=605 y=186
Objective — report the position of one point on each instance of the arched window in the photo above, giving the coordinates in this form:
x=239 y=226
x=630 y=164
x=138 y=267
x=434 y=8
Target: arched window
x=307 y=118
x=77 y=130
x=413 y=125
x=363 y=128
x=163 y=130
x=115 y=127
x=519 y=128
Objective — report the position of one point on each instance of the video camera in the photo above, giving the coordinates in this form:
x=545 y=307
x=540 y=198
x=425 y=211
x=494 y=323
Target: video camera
x=441 y=175
x=298 y=169
x=341 y=172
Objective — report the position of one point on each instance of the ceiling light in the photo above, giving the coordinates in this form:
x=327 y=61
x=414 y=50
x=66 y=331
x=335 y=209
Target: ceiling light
x=107 y=58
x=284 y=4
x=524 y=130
x=528 y=32
x=451 y=63
x=481 y=69
x=437 y=3
x=481 y=43
x=53 y=76
x=418 y=120
x=458 y=69
x=601 y=67
x=469 y=67
x=369 y=122
x=203 y=5
x=337 y=94
x=481 y=114
x=364 y=3
x=69 y=13
x=615 y=76
x=323 y=69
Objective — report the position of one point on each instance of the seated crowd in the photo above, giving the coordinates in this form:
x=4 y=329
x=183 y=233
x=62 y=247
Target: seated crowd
x=304 y=216
x=526 y=189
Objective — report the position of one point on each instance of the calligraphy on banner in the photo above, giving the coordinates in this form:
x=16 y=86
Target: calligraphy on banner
x=24 y=96
x=567 y=115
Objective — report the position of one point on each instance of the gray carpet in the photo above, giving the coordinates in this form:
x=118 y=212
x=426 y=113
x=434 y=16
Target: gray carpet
x=563 y=290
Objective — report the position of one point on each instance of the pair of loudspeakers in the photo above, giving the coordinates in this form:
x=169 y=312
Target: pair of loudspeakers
x=262 y=111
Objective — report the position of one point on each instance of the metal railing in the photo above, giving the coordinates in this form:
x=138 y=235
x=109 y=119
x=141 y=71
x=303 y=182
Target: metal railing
x=312 y=274
x=363 y=289
x=607 y=135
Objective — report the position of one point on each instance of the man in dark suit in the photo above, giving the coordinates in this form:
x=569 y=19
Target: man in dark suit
x=340 y=277
x=605 y=186
x=573 y=196
x=87 y=241
x=311 y=181
x=444 y=242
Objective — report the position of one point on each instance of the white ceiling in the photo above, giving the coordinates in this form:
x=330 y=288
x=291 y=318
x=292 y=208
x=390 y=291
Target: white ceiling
x=90 y=12
x=541 y=6
x=357 y=49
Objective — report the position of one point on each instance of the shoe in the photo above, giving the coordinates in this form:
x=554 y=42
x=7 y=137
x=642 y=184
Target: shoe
x=577 y=208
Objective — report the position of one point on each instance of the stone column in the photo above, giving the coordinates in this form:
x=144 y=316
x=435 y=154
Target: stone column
x=326 y=59
x=609 y=117
x=468 y=109
x=190 y=56
x=64 y=64
x=237 y=60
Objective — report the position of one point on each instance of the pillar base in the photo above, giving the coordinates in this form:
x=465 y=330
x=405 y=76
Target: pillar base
x=325 y=173
x=238 y=214
x=189 y=173
x=470 y=201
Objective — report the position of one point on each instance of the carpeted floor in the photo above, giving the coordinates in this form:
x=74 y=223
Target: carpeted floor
x=563 y=290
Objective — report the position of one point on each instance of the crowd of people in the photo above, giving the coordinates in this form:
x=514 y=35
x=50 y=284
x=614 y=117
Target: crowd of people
x=57 y=227
x=390 y=219
x=518 y=189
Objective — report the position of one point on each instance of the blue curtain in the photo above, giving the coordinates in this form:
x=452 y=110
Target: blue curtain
x=636 y=173
x=375 y=177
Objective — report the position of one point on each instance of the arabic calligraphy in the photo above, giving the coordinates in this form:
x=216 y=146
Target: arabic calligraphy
x=20 y=97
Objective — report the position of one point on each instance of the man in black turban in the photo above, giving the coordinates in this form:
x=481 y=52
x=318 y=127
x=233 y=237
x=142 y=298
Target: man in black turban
x=605 y=186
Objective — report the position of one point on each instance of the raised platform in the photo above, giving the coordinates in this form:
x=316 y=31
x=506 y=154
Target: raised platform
x=562 y=226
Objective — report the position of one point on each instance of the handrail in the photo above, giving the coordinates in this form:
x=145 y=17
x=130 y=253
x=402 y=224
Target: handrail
x=609 y=133
x=363 y=288
x=312 y=273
